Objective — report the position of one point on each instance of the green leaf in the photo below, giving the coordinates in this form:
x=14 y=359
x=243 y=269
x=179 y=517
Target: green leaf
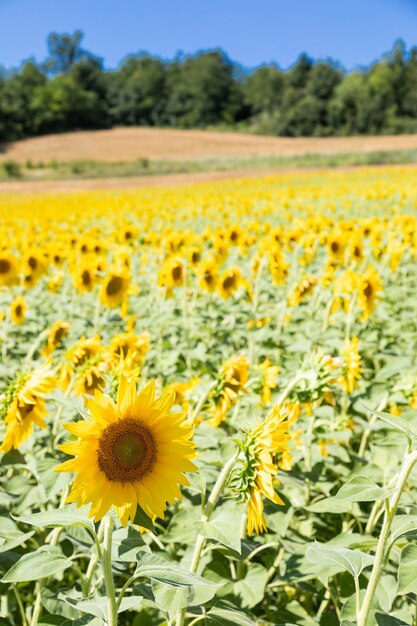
x=352 y=561
x=403 y=525
x=162 y=571
x=224 y=527
x=388 y=620
x=172 y=598
x=407 y=572
x=16 y=541
x=227 y=615
x=329 y=505
x=66 y=516
x=45 y=562
x=251 y=589
x=142 y=519
x=361 y=489
x=396 y=422
x=98 y=605
x=127 y=545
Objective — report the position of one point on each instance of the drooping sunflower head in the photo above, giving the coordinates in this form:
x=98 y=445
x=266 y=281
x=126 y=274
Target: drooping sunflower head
x=131 y=453
x=261 y=452
x=24 y=405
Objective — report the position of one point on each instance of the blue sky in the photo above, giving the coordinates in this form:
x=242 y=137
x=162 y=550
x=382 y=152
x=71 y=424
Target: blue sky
x=353 y=32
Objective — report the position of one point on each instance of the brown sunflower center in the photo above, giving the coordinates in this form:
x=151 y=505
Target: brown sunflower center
x=86 y=278
x=229 y=282
x=368 y=290
x=126 y=451
x=32 y=262
x=4 y=266
x=114 y=286
x=177 y=272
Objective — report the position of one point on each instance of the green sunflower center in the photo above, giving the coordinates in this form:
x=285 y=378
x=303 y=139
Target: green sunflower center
x=127 y=451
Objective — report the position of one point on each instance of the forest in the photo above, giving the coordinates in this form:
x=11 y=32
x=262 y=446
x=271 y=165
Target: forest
x=73 y=90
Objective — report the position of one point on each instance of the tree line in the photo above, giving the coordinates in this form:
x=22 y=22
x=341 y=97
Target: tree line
x=71 y=90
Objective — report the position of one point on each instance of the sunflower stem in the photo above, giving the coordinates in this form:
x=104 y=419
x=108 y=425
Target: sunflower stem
x=107 y=572
x=220 y=484
x=381 y=550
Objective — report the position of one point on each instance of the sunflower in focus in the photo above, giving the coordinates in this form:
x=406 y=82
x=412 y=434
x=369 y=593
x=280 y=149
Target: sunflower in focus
x=23 y=405
x=257 y=467
x=134 y=452
x=18 y=310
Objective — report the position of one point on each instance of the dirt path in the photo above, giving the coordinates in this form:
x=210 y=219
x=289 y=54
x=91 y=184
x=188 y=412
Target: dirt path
x=127 y=144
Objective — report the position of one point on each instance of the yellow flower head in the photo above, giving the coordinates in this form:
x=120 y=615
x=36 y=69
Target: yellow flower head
x=56 y=334
x=9 y=269
x=18 y=310
x=134 y=452
x=115 y=287
x=352 y=368
x=24 y=405
x=258 y=464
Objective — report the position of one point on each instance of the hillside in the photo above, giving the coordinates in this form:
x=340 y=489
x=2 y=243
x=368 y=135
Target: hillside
x=128 y=144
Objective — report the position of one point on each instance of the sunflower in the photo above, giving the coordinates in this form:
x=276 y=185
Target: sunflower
x=23 y=405
x=304 y=289
x=137 y=345
x=369 y=287
x=18 y=310
x=114 y=288
x=134 y=452
x=352 y=368
x=230 y=281
x=269 y=374
x=91 y=377
x=208 y=273
x=172 y=274
x=232 y=379
x=9 y=269
x=257 y=467
x=56 y=335
x=85 y=277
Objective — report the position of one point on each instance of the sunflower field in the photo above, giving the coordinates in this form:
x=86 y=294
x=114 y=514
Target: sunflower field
x=208 y=403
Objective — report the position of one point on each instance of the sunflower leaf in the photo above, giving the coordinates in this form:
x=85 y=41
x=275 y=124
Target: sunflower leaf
x=142 y=519
x=352 y=561
x=362 y=489
x=68 y=515
x=43 y=563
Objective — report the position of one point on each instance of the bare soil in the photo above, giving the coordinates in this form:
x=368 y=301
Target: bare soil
x=127 y=144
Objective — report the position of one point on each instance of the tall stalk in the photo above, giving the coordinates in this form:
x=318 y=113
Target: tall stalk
x=391 y=506
x=107 y=572
x=221 y=482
